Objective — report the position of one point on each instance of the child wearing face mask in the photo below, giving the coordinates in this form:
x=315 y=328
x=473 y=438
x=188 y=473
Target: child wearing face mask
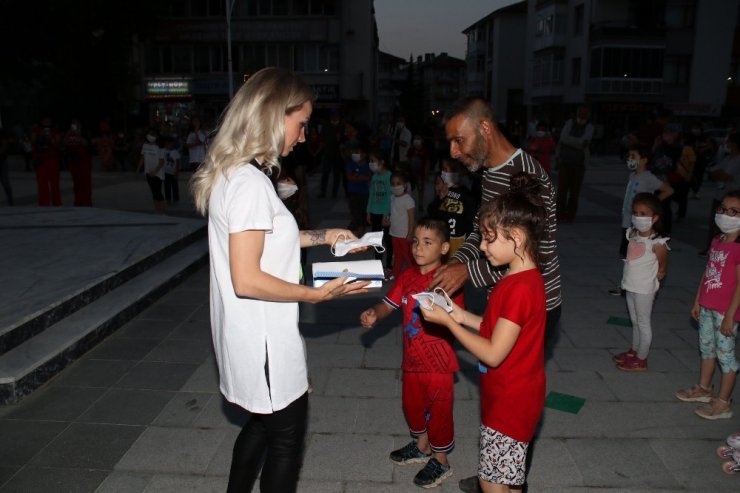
x=716 y=310
x=402 y=222
x=357 y=177
x=379 y=202
x=641 y=180
x=453 y=203
x=644 y=268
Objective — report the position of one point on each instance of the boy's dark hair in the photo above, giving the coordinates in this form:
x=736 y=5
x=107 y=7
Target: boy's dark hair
x=441 y=227
x=642 y=150
x=521 y=207
x=379 y=154
x=653 y=203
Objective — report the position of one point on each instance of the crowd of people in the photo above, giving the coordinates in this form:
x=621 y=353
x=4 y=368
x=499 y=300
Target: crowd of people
x=458 y=206
x=48 y=150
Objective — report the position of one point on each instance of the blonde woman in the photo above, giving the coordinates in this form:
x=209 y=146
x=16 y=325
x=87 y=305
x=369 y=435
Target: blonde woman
x=254 y=267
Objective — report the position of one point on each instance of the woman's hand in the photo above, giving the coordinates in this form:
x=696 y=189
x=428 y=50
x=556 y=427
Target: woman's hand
x=343 y=234
x=339 y=287
x=338 y=233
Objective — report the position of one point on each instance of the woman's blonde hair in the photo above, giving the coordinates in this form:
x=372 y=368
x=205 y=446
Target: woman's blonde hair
x=252 y=125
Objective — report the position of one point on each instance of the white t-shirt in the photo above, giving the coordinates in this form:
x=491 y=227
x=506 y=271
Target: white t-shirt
x=152 y=153
x=640 y=274
x=171 y=158
x=399 y=226
x=247 y=332
x=196 y=154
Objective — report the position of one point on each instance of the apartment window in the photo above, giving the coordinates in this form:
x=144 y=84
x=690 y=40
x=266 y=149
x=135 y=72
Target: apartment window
x=199 y=8
x=218 y=59
x=152 y=62
x=280 y=7
x=202 y=59
x=290 y=7
x=182 y=59
x=575 y=71
x=179 y=8
x=679 y=16
x=329 y=58
x=677 y=70
x=545 y=25
x=557 y=71
x=578 y=19
x=166 y=59
x=641 y=63
x=253 y=58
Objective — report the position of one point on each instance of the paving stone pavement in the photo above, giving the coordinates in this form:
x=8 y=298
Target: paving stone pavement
x=141 y=412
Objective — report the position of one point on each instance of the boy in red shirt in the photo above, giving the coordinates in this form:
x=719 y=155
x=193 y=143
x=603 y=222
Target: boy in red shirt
x=429 y=360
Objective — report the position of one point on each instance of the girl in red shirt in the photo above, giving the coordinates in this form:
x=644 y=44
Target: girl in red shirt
x=510 y=339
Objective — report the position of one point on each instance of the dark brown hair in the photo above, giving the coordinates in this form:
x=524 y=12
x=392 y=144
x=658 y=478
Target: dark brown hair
x=521 y=207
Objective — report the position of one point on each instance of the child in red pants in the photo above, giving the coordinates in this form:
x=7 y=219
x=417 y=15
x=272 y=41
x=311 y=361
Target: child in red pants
x=429 y=360
x=401 y=222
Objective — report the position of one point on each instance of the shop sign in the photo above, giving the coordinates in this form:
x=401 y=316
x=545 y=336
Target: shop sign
x=163 y=88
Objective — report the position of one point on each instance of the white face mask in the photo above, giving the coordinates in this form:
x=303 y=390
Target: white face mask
x=342 y=247
x=643 y=224
x=398 y=190
x=151 y=139
x=539 y=133
x=437 y=297
x=356 y=157
x=285 y=190
x=632 y=164
x=727 y=224
x=374 y=167
x=450 y=179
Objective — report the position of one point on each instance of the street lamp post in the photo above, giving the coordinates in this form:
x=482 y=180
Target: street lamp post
x=229 y=8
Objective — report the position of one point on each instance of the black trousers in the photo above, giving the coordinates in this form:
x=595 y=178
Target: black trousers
x=552 y=330
x=279 y=439
x=570 y=180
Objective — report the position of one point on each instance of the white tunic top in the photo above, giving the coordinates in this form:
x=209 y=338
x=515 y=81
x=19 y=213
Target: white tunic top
x=640 y=274
x=247 y=333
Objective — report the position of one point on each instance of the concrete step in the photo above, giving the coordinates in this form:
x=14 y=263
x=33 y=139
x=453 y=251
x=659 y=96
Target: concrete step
x=16 y=332
x=31 y=363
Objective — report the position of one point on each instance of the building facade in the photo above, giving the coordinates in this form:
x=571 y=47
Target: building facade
x=627 y=57
x=495 y=61
x=332 y=44
x=624 y=58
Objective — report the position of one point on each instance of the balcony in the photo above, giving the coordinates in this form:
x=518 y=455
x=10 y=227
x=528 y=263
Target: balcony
x=624 y=85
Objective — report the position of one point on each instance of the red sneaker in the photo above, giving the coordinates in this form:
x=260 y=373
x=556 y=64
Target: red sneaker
x=633 y=364
x=619 y=358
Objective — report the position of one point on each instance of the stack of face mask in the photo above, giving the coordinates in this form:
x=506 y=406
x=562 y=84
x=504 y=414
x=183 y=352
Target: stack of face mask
x=340 y=248
x=360 y=270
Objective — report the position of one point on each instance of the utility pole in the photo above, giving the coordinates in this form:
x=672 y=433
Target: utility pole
x=229 y=8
